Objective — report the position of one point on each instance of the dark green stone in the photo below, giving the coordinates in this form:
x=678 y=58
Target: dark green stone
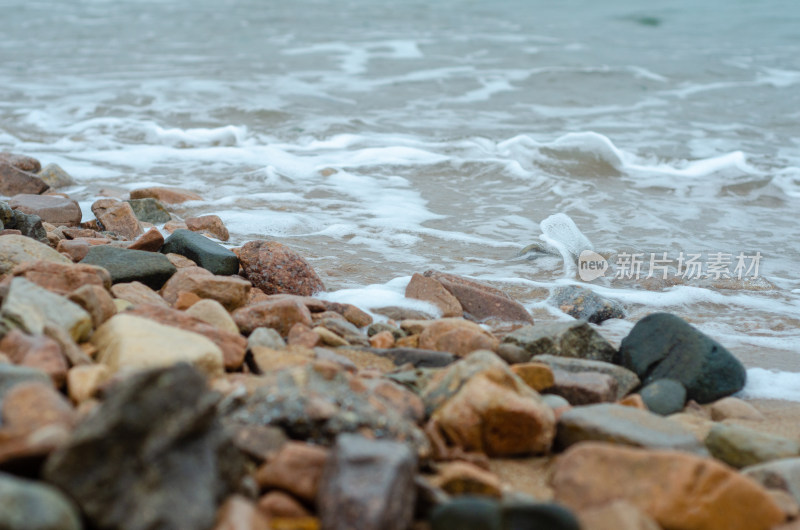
x=124 y=265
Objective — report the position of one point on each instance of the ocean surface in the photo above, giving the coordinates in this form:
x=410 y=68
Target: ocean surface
x=383 y=139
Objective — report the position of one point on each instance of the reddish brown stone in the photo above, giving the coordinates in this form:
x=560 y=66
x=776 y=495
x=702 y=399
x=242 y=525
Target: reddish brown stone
x=29 y=406
x=230 y=291
x=457 y=336
x=117 y=217
x=75 y=250
x=185 y=300
x=137 y=293
x=353 y=314
x=173 y=224
x=62 y=278
x=96 y=301
x=42 y=353
x=233 y=345
x=259 y=441
x=151 y=241
x=21 y=162
x=58 y=211
x=275 y=268
x=584 y=388
x=211 y=224
x=279 y=504
x=10 y=232
x=14 y=181
x=463 y=478
x=180 y=262
x=302 y=335
x=296 y=468
x=166 y=195
x=78 y=233
x=481 y=301
x=382 y=340
x=279 y=314
x=424 y=288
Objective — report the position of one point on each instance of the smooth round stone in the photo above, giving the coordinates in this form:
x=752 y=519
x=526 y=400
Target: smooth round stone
x=664 y=396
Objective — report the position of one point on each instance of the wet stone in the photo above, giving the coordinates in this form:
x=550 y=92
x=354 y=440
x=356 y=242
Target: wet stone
x=206 y=253
x=149 y=268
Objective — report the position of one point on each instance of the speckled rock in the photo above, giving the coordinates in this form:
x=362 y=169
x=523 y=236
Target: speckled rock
x=275 y=268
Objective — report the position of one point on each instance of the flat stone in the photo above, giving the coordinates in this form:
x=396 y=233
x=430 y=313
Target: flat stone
x=576 y=339
x=21 y=162
x=206 y=253
x=96 y=301
x=239 y=512
x=266 y=337
x=277 y=504
x=280 y=315
x=149 y=268
x=664 y=396
x=296 y=468
x=150 y=241
x=429 y=290
x=230 y=291
x=118 y=217
x=14 y=181
x=625 y=426
x=53 y=209
x=41 y=353
x=33 y=505
x=584 y=304
x=32 y=405
x=54 y=176
x=457 y=336
x=731 y=407
x=12 y=375
x=617 y=515
x=137 y=293
x=346 y=330
x=416 y=356
x=210 y=224
x=259 y=442
x=536 y=375
x=165 y=195
x=61 y=278
x=626 y=380
x=16 y=249
x=275 y=268
x=584 y=388
x=783 y=474
x=150 y=210
x=740 y=447
x=212 y=312
x=480 y=301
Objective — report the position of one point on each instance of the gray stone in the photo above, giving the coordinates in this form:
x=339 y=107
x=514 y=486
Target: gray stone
x=625 y=426
x=783 y=474
x=662 y=345
x=12 y=374
x=154 y=455
x=54 y=176
x=544 y=515
x=16 y=249
x=583 y=304
x=575 y=339
x=6 y=214
x=740 y=447
x=266 y=337
x=367 y=484
x=467 y=513
x=32 y=308
x=150 y=211
x=626 y=380
x=200 y=249
x=29 y=225
x=418 y=357
x=124 y=265
x=29 y=505
x=555 y=402
x=664 y=396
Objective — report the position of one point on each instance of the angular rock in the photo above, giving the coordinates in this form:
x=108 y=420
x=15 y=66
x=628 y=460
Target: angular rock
x=207 y=254
x=480 y=301
x=266 y=337
x=625 y=426
x=664 y=396
x=32 y=405
x=29 y=226
x=275 y=268
x=130 y=342
x=367 y=484
x=14 y=181
x=118 y=218
x=463 y=478
x=296 y=468
x=583 y=304
x=41 y=353
x=137 y=293
x=75 y=250
x=662 y=345
x=259 y=442
x=279 y=314
x=584 y=388
x=150 y=241
x=32 y=308
x=676 y=489
x=149 y=268
x=783 y=474
x=424 y=288
x=626 y=380
x=210 y=224
x=12 y=375
x=53 y=209
x=575 y=339
x=165 y=195
x=15 y=249
x=740 y=447
x=212 y=312
x=21 y=162
x=230 y=291
x=457 y=336
x=96 y=301
x=55 y=177
x=346 y=330
x=150 y=210
x=61 y=278
x=154 y=455
x=83 y=382
x=30 y=505
x=538 y=376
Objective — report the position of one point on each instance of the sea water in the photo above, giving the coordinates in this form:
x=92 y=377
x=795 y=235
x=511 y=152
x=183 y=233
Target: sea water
x=381 y=139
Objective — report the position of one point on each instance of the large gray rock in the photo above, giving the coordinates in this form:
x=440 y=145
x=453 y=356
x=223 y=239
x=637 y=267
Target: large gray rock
x=781 y=474
x=626 y=380
x=16 y=249
x=664 y=396
x=626 y=426
x=154 y=455
x=32 y=309
x=664 y=346
x=575 y=339
x=367 y=484
x=29 y=505
x=583 y=304
x=740 y=447
x=124 y=265
x=200 y=249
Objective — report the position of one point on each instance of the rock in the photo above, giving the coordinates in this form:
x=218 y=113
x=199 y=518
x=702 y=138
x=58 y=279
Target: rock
x=278 y=504
x=32 y=405
x=83 y=382
x=626 y=380
x=165 y=195
x=131 y=342
x=318 y=401
x=740 y=447
x=325 y=336
x=479 y=405
x=538 y=376
x=150 y=241
x=75 y=250
x=29 y=226
x=30 y=505
x=15 y=249
x=664 y=396
x=278 y=314
x=296 y=468
x=96 y=301
x=150 y=210
x=584 y=388
x=467 y=513
x=12 y=375
x=275 y=268
x=41 y=353
x=545 y=515
x=32 y=308
x=149 y=268
x=21 y=162
x=59 y=211
x=207 y=254
x=14 y=181
x=118 y=217
x=153 y=455
x=625 y=426
x=382 y=340
x=210 y=224
x=266 y=337
x=463 y=478
x=697 y=425
x=663 y=484
x=555 y=402
x=137 y=293
x=424 y=288
x=617 y=515
x=367 y=484
x=346 y=330
x=402 y=313
x=783 y=474
x=55 y=177
x=171 y=226
x=240 y=513
x=583 y=304
x=456 y=336
x=230 y=291
x=259 y=442
x=212 y=312
x=575 y=339
x=232 y=345
x=480 y=301
x=731 y=407
x=662 y=345
x=61 y=278
x=266 y=360
x=415 y=356
x=512 y=354
x=6 y=214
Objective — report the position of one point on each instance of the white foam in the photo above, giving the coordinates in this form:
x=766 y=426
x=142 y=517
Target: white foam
x=788 y=181
x=197 y=137
x=771 y=384
x=374 y=296
x=560 y=231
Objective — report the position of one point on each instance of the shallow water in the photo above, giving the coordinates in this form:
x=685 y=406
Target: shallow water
x=385 y=140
